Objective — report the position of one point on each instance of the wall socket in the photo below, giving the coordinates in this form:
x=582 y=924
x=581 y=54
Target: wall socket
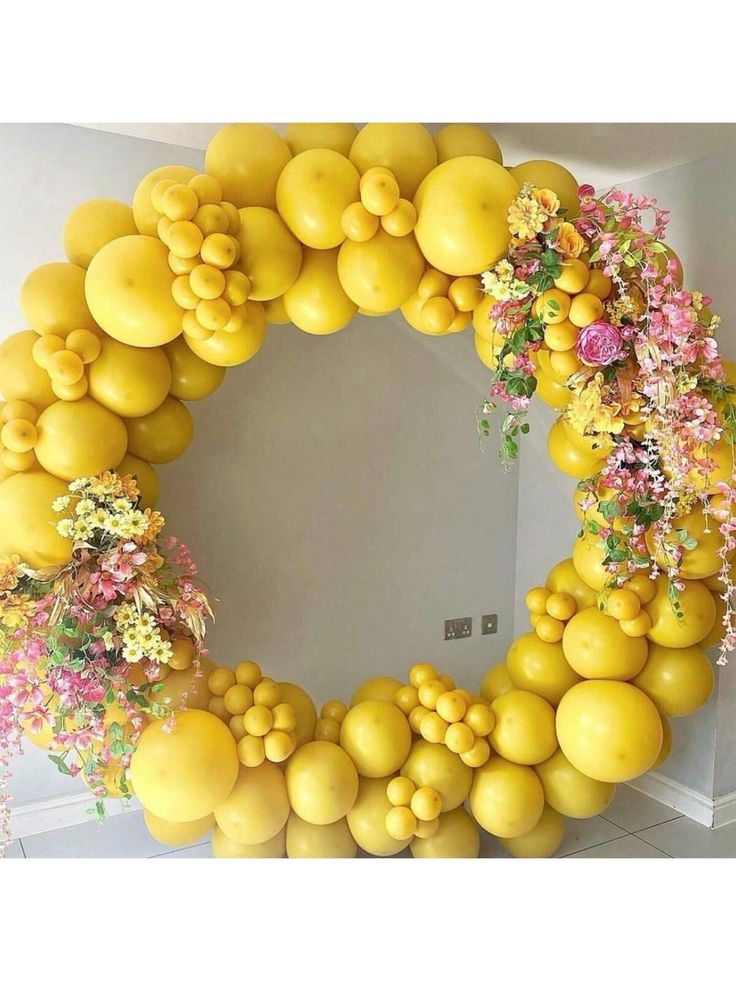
x=489 y=623
x=458 y=628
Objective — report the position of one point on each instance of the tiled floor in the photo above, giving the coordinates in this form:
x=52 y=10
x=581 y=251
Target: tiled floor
x=634 y=826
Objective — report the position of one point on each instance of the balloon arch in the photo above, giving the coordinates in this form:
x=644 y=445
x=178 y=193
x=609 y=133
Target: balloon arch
x=570 y=297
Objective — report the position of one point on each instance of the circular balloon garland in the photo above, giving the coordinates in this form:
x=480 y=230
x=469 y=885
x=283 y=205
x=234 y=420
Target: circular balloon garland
x=103 y=660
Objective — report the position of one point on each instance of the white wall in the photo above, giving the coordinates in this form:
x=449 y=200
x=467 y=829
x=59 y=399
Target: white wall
x=334 y=496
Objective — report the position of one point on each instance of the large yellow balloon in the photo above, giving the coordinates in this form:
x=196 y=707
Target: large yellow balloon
x=27 y=521
x=546 y=173
x=224 y=847
x=316 y=302
x=178 y=834
x=191 y=377
x=186 y=688
x=377 y=738
x=678 y=680
x=131 y=381
x=52 y=299
x=484 y=325
x=536 y=666
x=247 y=160
x=162 y=435
x=703 y=560
x=270 y=256
x=596 y=647
x=496 y=681
x=563 y=578
x=228 y=349
x=185 y=774
x=552 y=394
x=316 y=136
x=486 y=351
x=525 y=727
x=506 y=799
x=434 y=765
x=145 y=477
x=257 y=808
x=305 y=840
x=20 y=376
x=406 y=149
x=569 y=458
x=542 y=841
x=79 y=439
x=609 y=730
x=587 y=558
x=380 y=688
x=306 y=713
x=145 y=215
x=466 y=140
x=314 y=189
x=93 y=224
x=456 y=837
x=462 y=207
x=380 y=274
x=367 y=819
x=128 y=290
x=569 y=791
x=698 y=610
x=322 y=782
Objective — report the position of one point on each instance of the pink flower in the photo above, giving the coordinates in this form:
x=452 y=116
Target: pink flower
x=599 y=344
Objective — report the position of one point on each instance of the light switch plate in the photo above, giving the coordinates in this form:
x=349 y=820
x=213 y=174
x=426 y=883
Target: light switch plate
x=489 y=623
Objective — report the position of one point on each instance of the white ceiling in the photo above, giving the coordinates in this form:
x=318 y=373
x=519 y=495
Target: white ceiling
x=597 y=153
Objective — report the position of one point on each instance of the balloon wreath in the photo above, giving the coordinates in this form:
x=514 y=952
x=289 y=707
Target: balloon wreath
x=103 y=660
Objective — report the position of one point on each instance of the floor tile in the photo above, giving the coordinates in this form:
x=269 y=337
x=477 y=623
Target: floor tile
x=13 y=850
x=121 y=836
x=627 y=847
x=586 y=834
x=634 y=811
x=684 y=838
x=203 y=850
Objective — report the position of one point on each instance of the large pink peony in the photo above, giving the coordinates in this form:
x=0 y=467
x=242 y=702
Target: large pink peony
x=599 y=344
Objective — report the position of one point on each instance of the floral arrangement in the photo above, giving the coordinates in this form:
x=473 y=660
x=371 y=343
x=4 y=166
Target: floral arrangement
x=84 y=646
x=595 y=308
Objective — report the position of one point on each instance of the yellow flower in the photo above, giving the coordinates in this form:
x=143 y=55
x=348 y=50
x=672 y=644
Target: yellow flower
x=587 y=413
x=547 y=200
x=569 y=241
x=84 y=506
x=61 y=503
x=9 y=572
x=526 y=218
x=65 y=528
x=155 y=524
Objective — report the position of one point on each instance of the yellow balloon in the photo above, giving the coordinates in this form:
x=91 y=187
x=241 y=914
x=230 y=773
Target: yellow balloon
x=563 y=578
x=145 y=477
x=552 y=394
x=525 y=727
x=678 y=680
x=275 y=311
x=317 y=136
x=367 y=819
x=596 y=647
x=702 y=561
x=542 y=841
x=484 y=325
x=186 y=688
x=506 y=799
x=79 y=439
x=609 y=730
x=53 y=302
x=305 y=840
x=536 y=666
x=227 y=349
x=406 y=149
x=191 y=377
x=128 y=290
x=587 y=558
x=306 y=713
x=380 y=274
x=434 y=765
x=145 y=215
x=314 y=189
x=496 y=681
x=486 y=351
x=569 y=458
x=569 y=791
x=131 y=381
x=178 y=834
x=247 y=160
x=27 y=521
x=546 y=173
x=322 y=782
x=270 y=256
x=185 y=774
x=317 y=303
x=666 y=745
x=376 y=737
x=162 y=435
x=381 y=688
x=456 y=837
x=20 y=376
x=257 y=808
x=93 y=224
x=462 y=205
x=466 y=140
x=698 y=610
x=224 y=847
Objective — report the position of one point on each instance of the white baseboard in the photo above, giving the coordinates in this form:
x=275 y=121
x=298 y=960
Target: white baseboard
x=59 y=812
x=713 y=813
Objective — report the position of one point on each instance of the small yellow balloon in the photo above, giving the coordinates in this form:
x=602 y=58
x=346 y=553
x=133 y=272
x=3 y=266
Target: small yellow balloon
x=257 y=808
x=466 y=140
x=191 y=377
x=317 y=302
x=542 y=841
x=547 y=174
x=376 y=737
x=270 y=256
x=247 y=159
x=163 y=435
x=52 y=299
x=306 y=713
x=314 y=190
x=678 y=680
x=569 y=791
x=226 y=349
x=145 y=477
x=79 y=439
x=380 y=274
x=145 y=215
x=178 y=834
x=131 y=381
x=305 y=840
x=224 y=847
x=587 y=558
x=320 y=136
x=27 y=521
x=506 y=798
x=406 y=149
x=367 y=818
x=93 y=224
x=186 y=687
x=434 y=765
x=380 y=688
